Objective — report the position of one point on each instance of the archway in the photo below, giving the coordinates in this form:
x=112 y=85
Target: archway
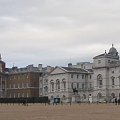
x=99 y=97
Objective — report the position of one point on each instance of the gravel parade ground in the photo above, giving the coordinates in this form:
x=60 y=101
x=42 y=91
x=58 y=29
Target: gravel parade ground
x=60 y=112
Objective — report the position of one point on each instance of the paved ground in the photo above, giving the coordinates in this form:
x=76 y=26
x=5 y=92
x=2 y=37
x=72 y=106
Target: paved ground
x=60 y=112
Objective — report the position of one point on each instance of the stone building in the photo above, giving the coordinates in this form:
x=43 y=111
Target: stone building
x=63 y=81
x=85 y=81
x=3 y=78
x=106 y=77
x=43 y=81
x=98 y=81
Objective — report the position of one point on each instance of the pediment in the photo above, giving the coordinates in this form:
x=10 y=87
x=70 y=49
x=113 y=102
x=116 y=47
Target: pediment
x=58 y=70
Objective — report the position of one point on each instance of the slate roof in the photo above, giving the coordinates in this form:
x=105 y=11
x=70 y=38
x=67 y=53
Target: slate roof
x=106 y=55
x=90 y=70
x=78 y=70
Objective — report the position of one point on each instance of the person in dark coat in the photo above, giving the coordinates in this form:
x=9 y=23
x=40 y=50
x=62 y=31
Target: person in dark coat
x=116 y=101
x=119 y=101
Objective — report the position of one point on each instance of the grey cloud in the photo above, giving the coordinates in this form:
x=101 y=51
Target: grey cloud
x=43 y=29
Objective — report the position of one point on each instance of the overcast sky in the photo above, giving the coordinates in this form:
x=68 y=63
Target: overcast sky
x=56 y=32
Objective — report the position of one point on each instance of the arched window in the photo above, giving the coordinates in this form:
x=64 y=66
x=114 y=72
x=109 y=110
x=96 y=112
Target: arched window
x=57 y=85
x=84 y=96
x=99 y=81
x=51 y=86
x=99 y=97
x=46 y=89
x=64 y=84
x=63 y=97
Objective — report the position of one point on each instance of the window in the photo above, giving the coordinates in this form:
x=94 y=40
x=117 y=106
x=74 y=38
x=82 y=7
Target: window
x=113 y=80
x=99 y=80
x=22 y=94
x=27 y=94
x=18 y=77
x=64 y=84
x=90 y=76
x=90 y=85
x=81 y=65
x=71 y=75
x=84 y=96
x=10 y=86
x=10 y=95
x=83 y=85
x=18 y=95
x=77 y=76
x=18 y=85
x=82 y=76
x=52 y=86
x=57 y=84
x=22 y=85
x=14 y=77
x=63 y=97
x=40 y=90
x=77 y=85
x=3 y=86
x=13 y=85
x=14 y=95
x=99 y=96
x=99 y=61
x=112 y=71
x=72 y=85
x=46 y=81
x=45 y=89
x=27 y=85
x=27 y=76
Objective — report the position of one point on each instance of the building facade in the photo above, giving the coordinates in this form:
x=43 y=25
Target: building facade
x=68 y=84
x=3 y=79
x=106 y=77
x=98 y=81
x=23 y=84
